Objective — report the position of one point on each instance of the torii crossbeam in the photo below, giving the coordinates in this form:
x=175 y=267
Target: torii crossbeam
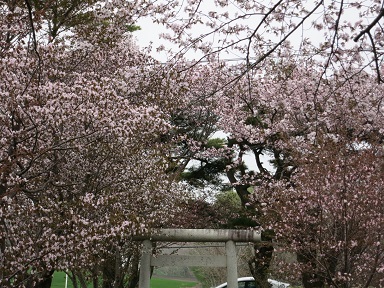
x=194 y=235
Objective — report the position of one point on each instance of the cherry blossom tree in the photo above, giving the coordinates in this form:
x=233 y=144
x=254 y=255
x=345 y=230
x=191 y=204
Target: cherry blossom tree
x=338 y=181
x=83 y=166
x=324 y=139
x=338 y=239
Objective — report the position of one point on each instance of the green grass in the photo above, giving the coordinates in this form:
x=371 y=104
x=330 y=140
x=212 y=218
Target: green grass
x=58 y=281
x=170 y=283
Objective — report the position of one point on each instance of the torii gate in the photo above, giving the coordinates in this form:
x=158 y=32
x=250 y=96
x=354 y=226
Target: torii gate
x=194 y=235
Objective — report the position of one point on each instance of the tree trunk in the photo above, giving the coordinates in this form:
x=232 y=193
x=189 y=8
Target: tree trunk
x=46 y=282
x=310 y=279
x=134 y=275
x=260 y=263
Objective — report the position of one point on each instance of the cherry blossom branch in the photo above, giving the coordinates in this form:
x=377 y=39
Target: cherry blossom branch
x=262 y=58
x=266 y=55
x=222 y=48
x=379 y=80
x=32 y=28
x=370 y=26
x=375 y=265
x=334 y=39
x=258 y=26
x=34 y=46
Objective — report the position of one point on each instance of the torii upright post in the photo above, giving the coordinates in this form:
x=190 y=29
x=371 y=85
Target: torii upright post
x=145 y=264
x=230 y=248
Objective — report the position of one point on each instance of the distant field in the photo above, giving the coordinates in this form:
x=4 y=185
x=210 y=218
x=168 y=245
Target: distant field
x=58 y=281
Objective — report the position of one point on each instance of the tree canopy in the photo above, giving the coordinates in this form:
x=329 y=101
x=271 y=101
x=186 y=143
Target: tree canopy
x=98 y=139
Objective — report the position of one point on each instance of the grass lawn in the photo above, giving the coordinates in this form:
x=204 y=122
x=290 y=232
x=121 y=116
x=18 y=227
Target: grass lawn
x=58 y=281
x=170 y=283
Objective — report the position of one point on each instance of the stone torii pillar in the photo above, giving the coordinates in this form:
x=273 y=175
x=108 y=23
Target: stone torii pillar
x=194 y=235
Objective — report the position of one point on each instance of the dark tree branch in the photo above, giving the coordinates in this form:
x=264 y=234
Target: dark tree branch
x=30 y=16
x=259 y=164
x=377 y=67
x=265 y=56
x=257 y=28
x=370 y=26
